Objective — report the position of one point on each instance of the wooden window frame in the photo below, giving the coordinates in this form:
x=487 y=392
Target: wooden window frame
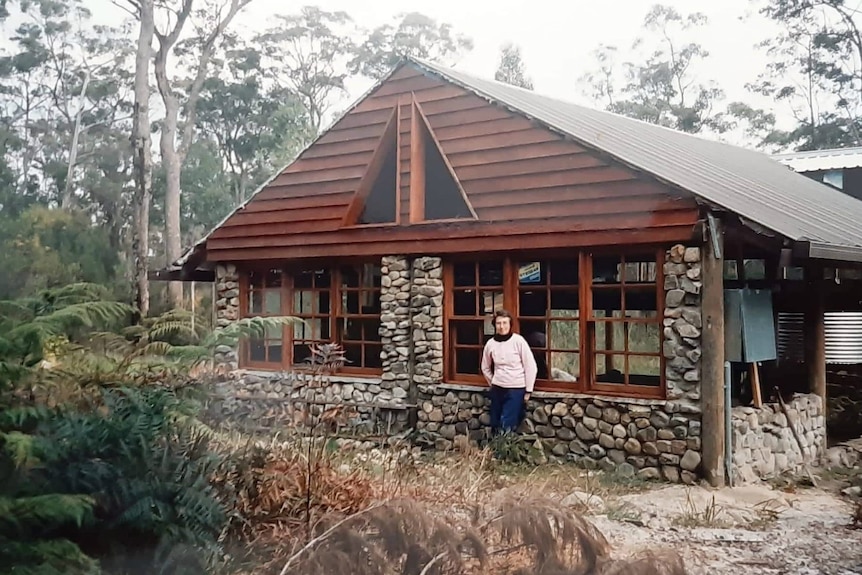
x=625 y=388
x=288 y=290
x=246 y=291
x=340 y=315
x=586 y=381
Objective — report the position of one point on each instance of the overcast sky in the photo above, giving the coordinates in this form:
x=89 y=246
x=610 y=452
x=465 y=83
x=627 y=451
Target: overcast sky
x=557 y=37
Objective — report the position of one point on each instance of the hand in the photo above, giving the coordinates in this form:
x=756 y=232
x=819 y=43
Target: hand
x=527 y=396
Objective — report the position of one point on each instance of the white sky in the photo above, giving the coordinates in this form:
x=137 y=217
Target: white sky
x=556 y=37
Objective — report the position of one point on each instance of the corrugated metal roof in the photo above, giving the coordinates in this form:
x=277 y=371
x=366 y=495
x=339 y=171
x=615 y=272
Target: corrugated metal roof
x=816 y=160
x=745 y=182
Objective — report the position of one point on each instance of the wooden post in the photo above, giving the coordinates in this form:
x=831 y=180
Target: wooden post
x=712 y=364
x=815 y=332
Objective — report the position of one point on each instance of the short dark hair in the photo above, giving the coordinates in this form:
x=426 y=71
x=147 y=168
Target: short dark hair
x=502 y=313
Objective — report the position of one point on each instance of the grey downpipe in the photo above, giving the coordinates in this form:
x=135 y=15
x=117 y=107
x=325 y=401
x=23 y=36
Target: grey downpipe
x=728 y=431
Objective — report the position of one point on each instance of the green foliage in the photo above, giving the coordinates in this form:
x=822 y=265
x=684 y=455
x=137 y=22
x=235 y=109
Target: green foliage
x=511 y=68
x=409 y=34
x=512 y=447
x=45 y=248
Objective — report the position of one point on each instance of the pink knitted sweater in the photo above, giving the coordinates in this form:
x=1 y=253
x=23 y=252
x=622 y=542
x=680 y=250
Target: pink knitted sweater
x=509 y=363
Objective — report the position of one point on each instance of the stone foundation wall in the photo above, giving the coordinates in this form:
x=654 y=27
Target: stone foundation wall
x=652 y=439
x=262 y=402
x=763 y=442
x=227 y=311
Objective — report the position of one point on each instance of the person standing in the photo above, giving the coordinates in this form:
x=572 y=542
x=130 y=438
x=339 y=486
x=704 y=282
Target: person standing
x=510 y=369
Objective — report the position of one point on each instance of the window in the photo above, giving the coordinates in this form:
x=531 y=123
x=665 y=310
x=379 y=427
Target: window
x=377 y=200
x=359 y=315
x=476 y=292
x=625 y=325
x=592 y=322
x=311 y=302
x=549 y=316
x=264 y=299
x=336 y=304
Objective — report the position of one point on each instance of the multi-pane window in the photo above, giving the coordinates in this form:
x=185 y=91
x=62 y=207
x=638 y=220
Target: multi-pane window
x=476 y=292
x=625 y=325
x=592 y=322
x=549 y=316
x=335 y=305
x=264 y=299
x=359 y=315
x=312 y=302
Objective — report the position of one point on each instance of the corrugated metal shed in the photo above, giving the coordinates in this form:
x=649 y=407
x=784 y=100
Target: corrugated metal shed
x=817 y=160
x=745 y=182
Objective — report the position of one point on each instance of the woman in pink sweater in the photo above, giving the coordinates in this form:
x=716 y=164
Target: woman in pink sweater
x=510 y=369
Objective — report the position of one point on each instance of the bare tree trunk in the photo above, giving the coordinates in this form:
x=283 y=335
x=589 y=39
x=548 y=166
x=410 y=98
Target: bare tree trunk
x=173 y=151
x=66 y=201
x=142 y=154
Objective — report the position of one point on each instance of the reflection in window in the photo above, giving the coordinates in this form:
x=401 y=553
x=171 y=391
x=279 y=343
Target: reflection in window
x=311 y=303
x=477 y=292
x=264 y=300
x=626 y=325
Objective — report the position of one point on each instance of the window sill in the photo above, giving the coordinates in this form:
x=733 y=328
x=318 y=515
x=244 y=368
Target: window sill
x=337 y=378
x=553 y=394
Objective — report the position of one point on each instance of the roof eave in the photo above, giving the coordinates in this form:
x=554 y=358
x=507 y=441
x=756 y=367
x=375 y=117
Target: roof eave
x=824 y=251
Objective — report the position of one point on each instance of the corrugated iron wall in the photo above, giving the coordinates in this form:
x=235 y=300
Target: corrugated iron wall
x=843 y=337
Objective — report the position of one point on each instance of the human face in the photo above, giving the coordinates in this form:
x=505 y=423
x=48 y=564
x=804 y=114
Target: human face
x=503 y=325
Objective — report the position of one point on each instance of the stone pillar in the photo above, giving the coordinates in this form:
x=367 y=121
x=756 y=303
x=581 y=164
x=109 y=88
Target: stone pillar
x=395 y=327
x=227 y=311
x=426 y=303
x=682 y=347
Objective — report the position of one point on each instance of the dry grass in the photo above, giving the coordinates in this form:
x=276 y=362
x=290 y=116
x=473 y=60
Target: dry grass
x=692 y=516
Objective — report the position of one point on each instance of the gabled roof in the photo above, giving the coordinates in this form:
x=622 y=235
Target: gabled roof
x=748 y=183
x=816 y=160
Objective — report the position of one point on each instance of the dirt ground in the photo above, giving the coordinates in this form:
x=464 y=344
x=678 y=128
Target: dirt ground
x=754 y=529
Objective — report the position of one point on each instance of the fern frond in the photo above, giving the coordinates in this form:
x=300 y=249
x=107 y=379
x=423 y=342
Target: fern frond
x=247 y=327
x=86 y=314
x=23 y=515
x=18 y=447
x=45 y=557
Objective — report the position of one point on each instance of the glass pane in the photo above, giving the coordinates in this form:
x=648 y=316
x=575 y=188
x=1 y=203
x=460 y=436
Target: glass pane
x=272 y=303
x=352 y=329
x=730 y=271
x=755 y=269
x=532 y=273
x=255 y=279
x=534 y=332
x=274 y=350
x=640 y=269
x=606 y=270
x=256 y=350
x=465 y=274
x=541 y=357
x=562 y=301
x=641 y=302
x=302 y=302
x=533 y=303
x=301 y=331
x=350 y=302
x=274 y=332
x=372 y=356
x=373 y=270
x=353 y=354
x=371 y=329
x=322 y=302
x=609 y=368
x=564 y=272
x=565 y=335
x=644 y=370
x=467 y=332
x=491 y=274
x=350 y=277
x=468 y=360
x=607 y=302
x=565 y=365
x=465 y=303
x=322 y=329
x=273 y=278
x=301 y=353
x=491 y=301
x=644 y=337
x=255 y=305
x=609 y=336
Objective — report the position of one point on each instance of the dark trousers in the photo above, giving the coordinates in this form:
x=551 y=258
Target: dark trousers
x=507 y=408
